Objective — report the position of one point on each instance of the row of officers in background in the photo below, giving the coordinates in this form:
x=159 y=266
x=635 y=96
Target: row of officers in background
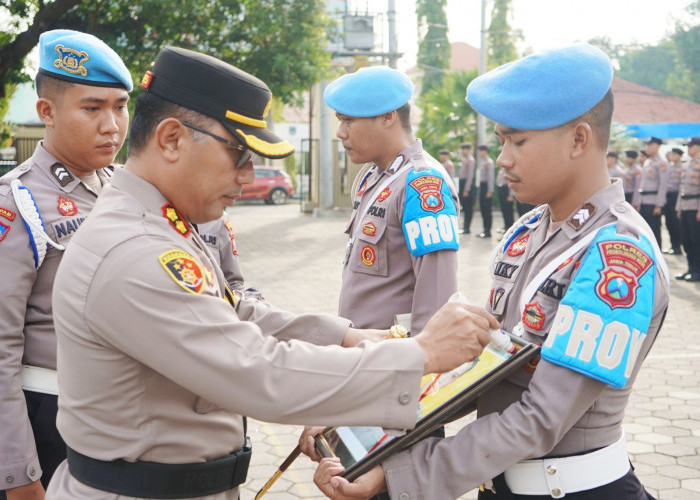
x=655 y=185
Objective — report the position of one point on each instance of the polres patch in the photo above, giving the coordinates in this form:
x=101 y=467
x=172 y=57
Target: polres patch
x=430 y=215
x=3 y=231
x=601 y=334
x=176 y=220
x=184 y=270
x=624 y=263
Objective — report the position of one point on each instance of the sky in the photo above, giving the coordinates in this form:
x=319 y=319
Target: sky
x=546 y=23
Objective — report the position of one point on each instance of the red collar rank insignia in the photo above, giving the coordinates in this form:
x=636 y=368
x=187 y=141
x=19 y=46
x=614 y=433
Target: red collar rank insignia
x=518 y=246
x=8 y=214
x=428 y=187
x=62 y=175
x=176 y=220
x=3 y=231
x=582 y=216
x=624 y=263
x=67 y=207
x=384 y=194
x=184 y=270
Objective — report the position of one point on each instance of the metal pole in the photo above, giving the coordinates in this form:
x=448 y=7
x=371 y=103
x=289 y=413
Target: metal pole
x=325 y=146
x=480 y=120
x=391 y=15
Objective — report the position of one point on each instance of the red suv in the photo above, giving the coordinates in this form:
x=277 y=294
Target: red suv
x=272 y=184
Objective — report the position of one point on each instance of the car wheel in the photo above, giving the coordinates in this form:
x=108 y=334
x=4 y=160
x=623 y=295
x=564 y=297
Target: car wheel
x=278 y=196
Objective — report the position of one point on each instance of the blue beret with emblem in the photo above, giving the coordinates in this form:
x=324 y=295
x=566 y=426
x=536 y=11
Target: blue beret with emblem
x=544 y=90
x=369 y=92
x=81 y=58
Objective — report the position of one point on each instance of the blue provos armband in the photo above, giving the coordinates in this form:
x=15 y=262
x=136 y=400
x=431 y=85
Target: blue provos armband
x=430 y=214
x=603 y=319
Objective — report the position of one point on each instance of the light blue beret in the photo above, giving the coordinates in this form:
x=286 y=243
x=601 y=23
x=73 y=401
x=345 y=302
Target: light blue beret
x=369 y=91
x=544 y=90
x=81 y=58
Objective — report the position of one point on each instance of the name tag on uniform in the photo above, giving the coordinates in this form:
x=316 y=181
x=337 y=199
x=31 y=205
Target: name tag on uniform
x=604 y=317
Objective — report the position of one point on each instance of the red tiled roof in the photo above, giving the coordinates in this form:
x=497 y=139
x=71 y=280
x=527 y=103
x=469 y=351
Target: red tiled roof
x=638 y=104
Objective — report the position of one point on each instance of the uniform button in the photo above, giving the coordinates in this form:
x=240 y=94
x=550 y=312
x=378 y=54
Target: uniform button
x=23 y=168
x=404 y=399
x=32 y=472
x=620 y=209
x=556 y=492
x=551 y=470
x=9 y=479
x=404 y=496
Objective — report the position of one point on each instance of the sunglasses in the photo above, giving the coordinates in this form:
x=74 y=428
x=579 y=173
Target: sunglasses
x=245 y=154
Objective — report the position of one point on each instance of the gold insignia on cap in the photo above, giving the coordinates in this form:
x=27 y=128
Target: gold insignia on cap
x=71 y=60
x=283 y=148
x=245 y=120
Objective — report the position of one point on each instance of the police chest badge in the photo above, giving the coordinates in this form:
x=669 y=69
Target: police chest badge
x=518 y=246
x=67 y=207
x=428 y=187
x=624 y=263
x=184 y=270
x=368 y=255
x=384 y=194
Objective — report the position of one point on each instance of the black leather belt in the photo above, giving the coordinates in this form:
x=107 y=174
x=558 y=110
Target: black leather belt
x=648 y=192
x=690 y=196
x=155 y=480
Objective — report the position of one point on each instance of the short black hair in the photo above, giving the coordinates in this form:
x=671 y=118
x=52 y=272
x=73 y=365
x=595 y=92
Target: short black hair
x=48 y=87
x=150 y=110
x=599 y=117
x=404 y=113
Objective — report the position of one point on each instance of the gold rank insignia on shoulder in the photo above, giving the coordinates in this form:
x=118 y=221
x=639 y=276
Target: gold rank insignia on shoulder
x=184 y=270
x=176 y=220
x=71 y=60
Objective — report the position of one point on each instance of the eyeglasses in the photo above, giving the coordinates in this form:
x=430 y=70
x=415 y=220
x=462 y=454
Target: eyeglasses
x=246 y=154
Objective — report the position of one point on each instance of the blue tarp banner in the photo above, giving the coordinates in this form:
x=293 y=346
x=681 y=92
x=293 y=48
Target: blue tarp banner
x=664 y=130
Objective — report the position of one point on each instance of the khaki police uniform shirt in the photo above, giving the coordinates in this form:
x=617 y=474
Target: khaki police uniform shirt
x=554 y=411
x=155 y=365
x=690 y=186
x=382 y=278
x=632 y=181
x=616 y=171
x=655 y=175
x=486 y=172
x=26 y=315
x=675 y=171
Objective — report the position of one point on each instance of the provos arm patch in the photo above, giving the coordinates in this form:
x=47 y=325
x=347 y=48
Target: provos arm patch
x=184 y=270
x=604 y=317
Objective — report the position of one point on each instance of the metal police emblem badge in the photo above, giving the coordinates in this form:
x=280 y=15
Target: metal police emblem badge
x=384 y=194
x=229 y=228
x=368 y=255
x=624 y=264
x=184 y=270
x=8 y=214
x=176 y=220
x=533 y=316
x=3 y=231
x=429 y=191
x=71 y=60
x=518 y=246
x=369 y=229
x=67 y=207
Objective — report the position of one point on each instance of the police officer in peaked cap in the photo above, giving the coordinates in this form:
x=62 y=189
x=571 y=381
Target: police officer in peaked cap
x=158 y=361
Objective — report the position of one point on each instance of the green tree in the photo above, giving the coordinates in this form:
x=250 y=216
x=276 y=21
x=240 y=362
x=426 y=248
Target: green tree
x=684 y=80
x=501 y=37
x=434 y=49
x=280 y=41
x=448 y=120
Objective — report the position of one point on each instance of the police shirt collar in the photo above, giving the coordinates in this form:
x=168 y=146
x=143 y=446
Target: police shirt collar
x=600 y=202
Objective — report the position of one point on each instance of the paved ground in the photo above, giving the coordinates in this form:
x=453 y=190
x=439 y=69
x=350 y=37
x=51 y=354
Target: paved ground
x=296 y=260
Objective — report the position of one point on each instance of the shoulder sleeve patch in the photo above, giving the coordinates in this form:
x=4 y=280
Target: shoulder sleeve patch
x=183 y=269
x=430 y=214
x=603 y=319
